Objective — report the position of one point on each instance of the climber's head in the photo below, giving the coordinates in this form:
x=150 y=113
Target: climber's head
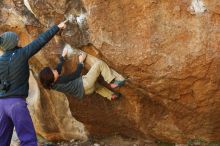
x=8 y=41
x=48 y=76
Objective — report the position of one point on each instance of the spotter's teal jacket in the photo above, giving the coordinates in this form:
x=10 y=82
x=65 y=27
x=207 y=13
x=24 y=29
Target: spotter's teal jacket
x=18 y=73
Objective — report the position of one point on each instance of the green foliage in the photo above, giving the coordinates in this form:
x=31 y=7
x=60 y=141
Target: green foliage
x=160 y=143
x=199 y=142
x=196 y=142
x=217 y=143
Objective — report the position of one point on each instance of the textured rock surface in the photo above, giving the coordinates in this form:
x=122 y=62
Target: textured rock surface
x=171 y=55
x=169 y=50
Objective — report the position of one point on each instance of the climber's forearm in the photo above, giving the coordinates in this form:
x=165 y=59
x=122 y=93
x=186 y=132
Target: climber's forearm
x=60 y=65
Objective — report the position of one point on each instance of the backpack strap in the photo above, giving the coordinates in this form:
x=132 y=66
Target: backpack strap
x=5 y=84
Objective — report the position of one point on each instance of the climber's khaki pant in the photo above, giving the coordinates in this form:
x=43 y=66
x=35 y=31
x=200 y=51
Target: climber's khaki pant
x=89 y=80
x=97 y=67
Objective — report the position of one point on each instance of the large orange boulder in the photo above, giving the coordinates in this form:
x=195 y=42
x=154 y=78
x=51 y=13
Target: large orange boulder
x=168 y=51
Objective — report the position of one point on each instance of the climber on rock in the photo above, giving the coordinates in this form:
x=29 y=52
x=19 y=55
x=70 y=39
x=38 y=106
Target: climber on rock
x=76 y=85
x=14 y=75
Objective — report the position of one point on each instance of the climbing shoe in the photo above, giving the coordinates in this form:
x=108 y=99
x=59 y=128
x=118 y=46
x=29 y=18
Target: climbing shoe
x=115 y=96
x=117 y=84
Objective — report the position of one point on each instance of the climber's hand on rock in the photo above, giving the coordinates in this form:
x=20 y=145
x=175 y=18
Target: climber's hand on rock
x=82 y=57
x=65 y=52
x=62 y=25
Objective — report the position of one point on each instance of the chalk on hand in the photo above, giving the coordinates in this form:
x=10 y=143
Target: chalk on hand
x=70 y=18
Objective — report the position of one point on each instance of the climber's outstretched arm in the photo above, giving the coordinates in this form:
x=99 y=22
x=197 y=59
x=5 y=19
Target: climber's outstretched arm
x=60 y=65
x=62 y=60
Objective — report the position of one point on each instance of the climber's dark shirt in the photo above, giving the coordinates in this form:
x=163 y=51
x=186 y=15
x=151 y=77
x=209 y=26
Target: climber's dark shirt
x=71 y=84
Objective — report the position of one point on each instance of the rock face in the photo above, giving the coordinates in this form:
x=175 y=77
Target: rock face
x=168 y=50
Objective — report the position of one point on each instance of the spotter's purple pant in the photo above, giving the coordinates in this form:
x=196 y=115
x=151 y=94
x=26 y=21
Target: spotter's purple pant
x=14 y=113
